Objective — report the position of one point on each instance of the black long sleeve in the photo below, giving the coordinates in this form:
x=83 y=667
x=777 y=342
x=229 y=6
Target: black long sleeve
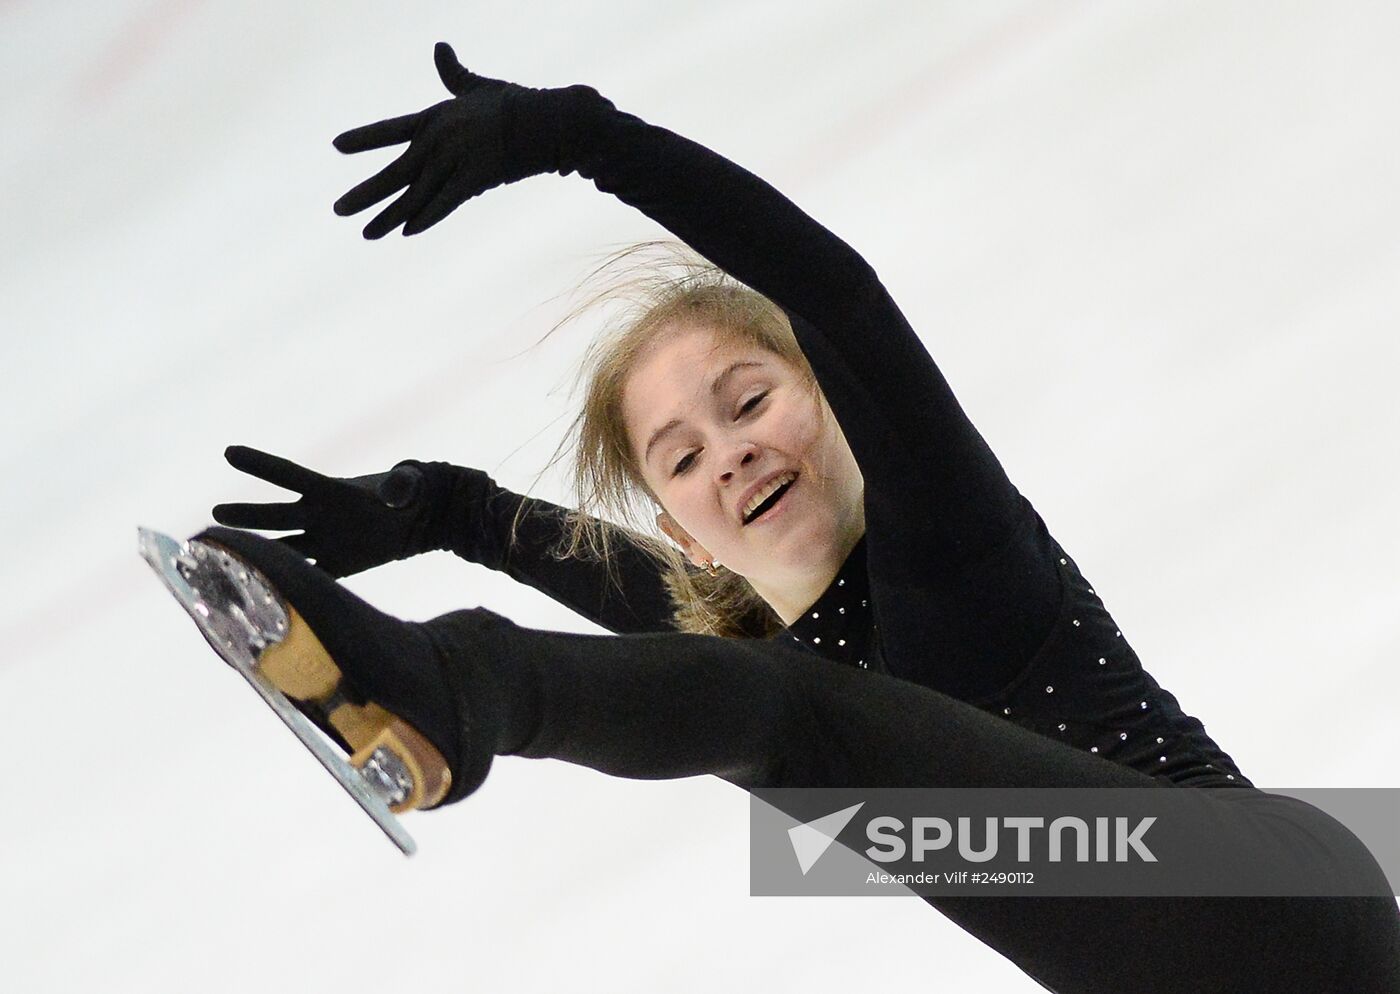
x=951 y=541
x=890 y=398
x=474 y=519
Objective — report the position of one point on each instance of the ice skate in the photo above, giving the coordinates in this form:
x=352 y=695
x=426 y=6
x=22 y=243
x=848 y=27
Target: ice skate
x=385 y=764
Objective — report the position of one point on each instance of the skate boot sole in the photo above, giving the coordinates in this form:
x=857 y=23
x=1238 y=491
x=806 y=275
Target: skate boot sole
x=391 y=767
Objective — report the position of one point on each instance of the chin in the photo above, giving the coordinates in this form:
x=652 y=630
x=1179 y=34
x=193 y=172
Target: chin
x=808 y=542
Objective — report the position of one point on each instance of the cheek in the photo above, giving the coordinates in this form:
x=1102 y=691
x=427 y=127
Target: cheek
x=687 y=501
x=798 y=430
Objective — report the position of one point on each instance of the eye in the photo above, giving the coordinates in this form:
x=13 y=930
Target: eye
x=684 y=464
x=752 y=402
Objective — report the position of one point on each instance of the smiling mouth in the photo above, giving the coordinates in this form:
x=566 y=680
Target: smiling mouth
x=772 y=499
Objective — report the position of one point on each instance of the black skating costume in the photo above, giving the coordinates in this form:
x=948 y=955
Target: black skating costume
x=958 y=646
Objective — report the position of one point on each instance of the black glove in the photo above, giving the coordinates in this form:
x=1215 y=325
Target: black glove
x=491 y=133
x=349 y=525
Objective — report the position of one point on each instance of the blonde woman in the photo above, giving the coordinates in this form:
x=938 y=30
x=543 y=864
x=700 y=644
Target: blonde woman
x=850 y=591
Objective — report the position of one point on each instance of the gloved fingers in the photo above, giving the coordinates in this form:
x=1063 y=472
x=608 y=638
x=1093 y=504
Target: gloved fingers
x=275 y=469
x=451 y=195
x=271 y=517
x=456 y=77
x=385 y=183
x=381 y=134
x=435 y=173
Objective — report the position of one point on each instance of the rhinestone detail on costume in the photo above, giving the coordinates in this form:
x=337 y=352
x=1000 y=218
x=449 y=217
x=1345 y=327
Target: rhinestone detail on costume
x=840 y=626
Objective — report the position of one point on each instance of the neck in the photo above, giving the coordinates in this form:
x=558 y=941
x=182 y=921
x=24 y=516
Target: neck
x=791 y=599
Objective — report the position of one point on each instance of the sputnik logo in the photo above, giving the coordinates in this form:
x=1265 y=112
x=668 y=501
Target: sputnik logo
x=811 y=839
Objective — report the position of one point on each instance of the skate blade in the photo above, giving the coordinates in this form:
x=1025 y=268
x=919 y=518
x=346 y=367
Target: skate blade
x=240 y=617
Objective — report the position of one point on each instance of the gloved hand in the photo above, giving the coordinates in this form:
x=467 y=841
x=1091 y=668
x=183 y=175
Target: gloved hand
x=492 y=132
x=349 y=525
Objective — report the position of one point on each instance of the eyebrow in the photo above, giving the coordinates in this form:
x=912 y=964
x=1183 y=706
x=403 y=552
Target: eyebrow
x=675 y=423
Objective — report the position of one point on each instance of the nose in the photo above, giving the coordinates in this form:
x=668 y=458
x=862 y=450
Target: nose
x=739 y=455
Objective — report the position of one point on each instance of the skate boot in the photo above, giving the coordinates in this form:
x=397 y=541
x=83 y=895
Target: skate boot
x=408 y=727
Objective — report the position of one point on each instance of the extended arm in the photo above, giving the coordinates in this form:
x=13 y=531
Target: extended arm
x=352 y=524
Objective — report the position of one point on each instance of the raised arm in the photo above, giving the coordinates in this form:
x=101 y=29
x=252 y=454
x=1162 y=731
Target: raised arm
x=930 y=478
x=923 y=462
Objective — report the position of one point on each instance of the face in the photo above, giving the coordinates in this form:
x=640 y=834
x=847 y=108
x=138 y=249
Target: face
x=710 y=422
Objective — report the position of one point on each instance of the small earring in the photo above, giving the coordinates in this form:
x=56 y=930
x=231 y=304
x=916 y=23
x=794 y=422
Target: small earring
x=709 y=567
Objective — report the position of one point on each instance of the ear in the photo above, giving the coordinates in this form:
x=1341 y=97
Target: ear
x=698 y=553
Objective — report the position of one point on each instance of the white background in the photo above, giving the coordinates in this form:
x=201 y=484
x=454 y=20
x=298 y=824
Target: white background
x=1153 y=246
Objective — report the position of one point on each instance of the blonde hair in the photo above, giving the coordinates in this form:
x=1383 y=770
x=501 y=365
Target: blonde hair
x=656 y=288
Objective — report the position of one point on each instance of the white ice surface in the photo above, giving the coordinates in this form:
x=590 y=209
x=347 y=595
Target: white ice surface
x=1155 y=247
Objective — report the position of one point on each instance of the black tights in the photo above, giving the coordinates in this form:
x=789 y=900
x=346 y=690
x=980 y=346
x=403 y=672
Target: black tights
x=761 y=714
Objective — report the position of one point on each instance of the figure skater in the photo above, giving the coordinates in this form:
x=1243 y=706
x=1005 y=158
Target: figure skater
x=856 y=595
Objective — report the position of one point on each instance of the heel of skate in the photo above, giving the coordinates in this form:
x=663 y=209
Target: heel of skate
x=391 y=767
x=389 y=752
